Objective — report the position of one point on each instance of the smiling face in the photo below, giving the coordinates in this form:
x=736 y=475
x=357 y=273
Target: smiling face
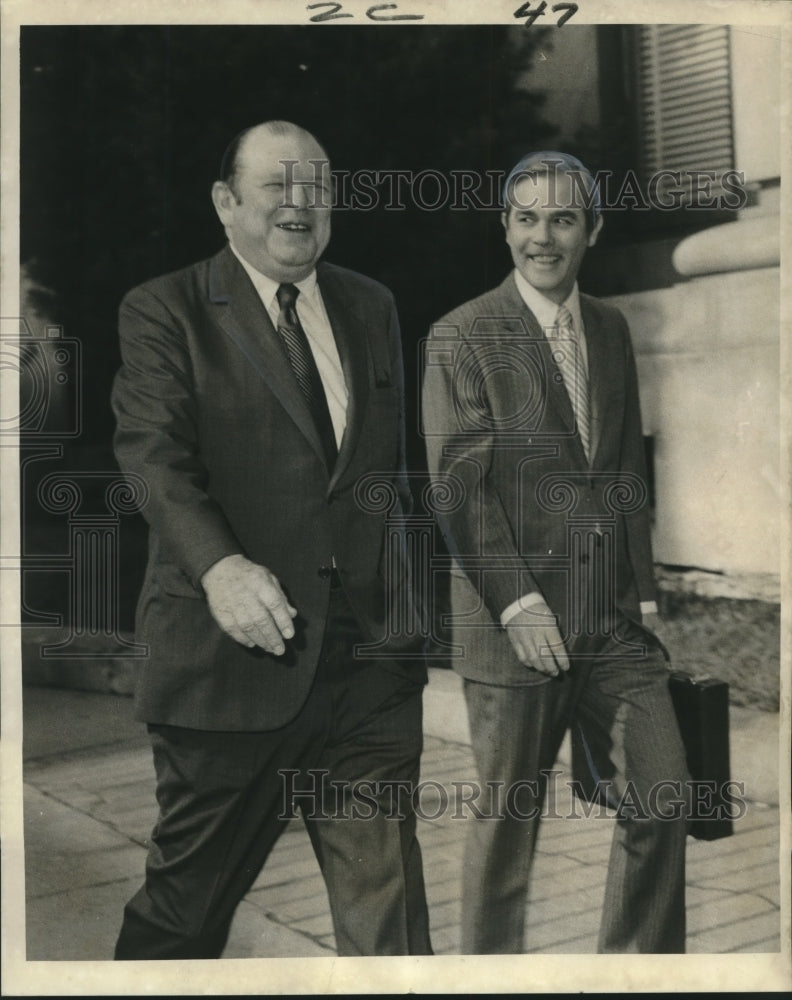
x=547 y=233
x=278 y=213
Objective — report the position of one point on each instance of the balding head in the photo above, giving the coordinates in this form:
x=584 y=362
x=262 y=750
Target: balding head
x=231 y=164
x=274 y=199
x=554 y=164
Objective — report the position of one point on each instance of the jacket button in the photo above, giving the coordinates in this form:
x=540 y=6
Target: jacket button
x=325 y=571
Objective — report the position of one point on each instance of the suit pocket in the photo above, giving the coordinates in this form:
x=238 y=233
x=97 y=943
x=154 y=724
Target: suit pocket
x=658 y=643
x=642 y=632
x=387 y=394
x=381 y=426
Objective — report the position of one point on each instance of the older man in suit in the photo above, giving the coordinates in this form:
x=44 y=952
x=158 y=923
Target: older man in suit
x=258 y=390
x=531 y=412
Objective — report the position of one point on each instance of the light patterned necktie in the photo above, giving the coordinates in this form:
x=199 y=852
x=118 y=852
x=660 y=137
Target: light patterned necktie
x=303 y=364
x=568 y=355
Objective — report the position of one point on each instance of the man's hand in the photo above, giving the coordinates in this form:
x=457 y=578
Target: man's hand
x=247 y=602
x=532 y=630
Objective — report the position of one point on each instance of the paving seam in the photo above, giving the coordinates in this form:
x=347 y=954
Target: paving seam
x=315 y=939
x=81 y=888
x=103 y=822
x=81 y=753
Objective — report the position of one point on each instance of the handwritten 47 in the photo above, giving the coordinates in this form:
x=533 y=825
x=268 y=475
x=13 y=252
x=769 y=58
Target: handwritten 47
x=569 y=9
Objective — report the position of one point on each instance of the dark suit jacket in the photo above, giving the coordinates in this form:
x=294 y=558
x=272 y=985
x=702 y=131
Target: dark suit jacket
x=209 y=413
x=497 y=417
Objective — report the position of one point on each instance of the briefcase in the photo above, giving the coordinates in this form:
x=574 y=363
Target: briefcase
x=702 y=711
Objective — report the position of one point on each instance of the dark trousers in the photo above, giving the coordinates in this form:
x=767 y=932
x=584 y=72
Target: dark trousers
x=223 y=805
x=625 y=739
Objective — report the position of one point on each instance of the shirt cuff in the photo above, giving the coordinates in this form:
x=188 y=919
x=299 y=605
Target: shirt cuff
x=648 y=607
x=521 y=604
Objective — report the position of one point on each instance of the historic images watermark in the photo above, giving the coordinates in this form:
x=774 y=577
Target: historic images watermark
x=431 y=190
x=88 y=505
x=430 y=800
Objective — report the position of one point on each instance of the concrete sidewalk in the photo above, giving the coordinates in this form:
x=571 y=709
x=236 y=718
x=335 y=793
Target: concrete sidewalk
x=89 y=809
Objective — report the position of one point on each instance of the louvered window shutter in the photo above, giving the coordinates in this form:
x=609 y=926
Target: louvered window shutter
x=685 y=101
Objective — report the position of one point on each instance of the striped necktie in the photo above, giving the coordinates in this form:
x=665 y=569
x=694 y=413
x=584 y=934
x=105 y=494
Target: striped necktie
x=569 y=357
x=303 y=364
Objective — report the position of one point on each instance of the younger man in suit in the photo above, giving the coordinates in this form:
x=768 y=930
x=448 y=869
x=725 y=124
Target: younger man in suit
x=531 y=407
x=259 y=390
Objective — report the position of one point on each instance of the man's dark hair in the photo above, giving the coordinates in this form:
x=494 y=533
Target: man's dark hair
x=229 y=163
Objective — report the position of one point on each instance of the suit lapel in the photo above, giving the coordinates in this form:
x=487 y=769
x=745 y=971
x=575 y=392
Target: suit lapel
x=245 y=320
x=606 y=404
x=349 y=330
x=557 y=396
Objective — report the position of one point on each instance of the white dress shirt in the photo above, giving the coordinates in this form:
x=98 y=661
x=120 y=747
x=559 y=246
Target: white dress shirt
x=313 y=317
x=545 y=312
